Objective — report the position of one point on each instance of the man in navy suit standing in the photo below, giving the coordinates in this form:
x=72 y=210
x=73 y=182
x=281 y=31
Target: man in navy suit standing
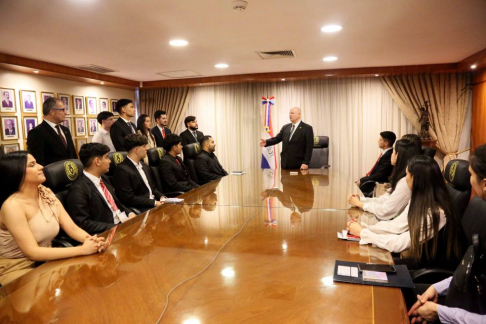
x=160 y=131
x=123 y=126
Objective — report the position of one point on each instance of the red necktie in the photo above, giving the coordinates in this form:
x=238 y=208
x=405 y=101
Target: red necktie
x=178 y=162
x=163 y=132
x=374 y=165
x=63 y=140
x=108 y=196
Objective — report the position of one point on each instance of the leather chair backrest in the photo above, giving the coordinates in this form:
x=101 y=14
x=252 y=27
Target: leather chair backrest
x=116 y=158
x=154 y=156
x=457 y=178
x=190 y=153
x=474 y=220
x=61 y=175
x=428 y=151
x=320 y=153
x=1 y=152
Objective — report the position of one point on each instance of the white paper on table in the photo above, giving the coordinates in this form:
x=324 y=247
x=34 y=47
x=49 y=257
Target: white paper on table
x=354 y=272
x=344 y=271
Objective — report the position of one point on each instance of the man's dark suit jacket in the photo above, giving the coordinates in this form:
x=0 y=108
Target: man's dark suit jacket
x=297 y=151
x=88 y=208
x=6 y=103
x=208 y=167
x=130 y=187
x=29 y=104
x=118 y=131
x=188 y=138
x=46 y=146
x=382 y=171
x=175 y=175
x=8 y=132
x=159 y=139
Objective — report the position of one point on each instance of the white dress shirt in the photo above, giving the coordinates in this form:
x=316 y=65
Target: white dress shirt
x=394 y=235
x=389 y=205
x=104 y=137
x=55 y=129
x=144 y=177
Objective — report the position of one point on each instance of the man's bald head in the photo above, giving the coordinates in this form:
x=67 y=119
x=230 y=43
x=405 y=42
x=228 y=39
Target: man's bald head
x=294 y=114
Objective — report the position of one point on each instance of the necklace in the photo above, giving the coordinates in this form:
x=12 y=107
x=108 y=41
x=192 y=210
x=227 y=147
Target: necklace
x=42 y=213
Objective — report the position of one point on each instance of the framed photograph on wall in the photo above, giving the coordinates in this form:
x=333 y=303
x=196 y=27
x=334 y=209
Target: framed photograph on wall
x=45 y=95
x=66 y=99
x=8 y=101
x=29 y=124
x=28 y=101
x=9 y=148
x=80 y=142
x=78 y=105
x=67 y=123
x=92 y=105
x=93 y=126
x=104 y=104
x=80 y=125
x=10 y=129
x=113 y=106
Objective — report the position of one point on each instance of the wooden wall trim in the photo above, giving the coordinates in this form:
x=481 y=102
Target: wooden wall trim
x=478 y=113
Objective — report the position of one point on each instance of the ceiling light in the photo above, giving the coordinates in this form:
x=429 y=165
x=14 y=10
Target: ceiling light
x=283 y=79
x=376 y=75
x=221 y=66
x=102 y=82
x=331 y=28
x=36 y=71
x=178 y=42
x=329 y=58
x=473 y=66
x=329 y=74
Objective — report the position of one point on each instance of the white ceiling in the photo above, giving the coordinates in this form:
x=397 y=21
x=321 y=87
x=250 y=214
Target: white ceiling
x=132 y=36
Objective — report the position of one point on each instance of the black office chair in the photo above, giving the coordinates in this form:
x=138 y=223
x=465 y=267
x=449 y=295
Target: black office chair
x=59 y=177
x=457 y=177
x=154 y=156
x=320 y=153
x=426 y=150
x=190 y=153
x=116 y=158
x=1 y=152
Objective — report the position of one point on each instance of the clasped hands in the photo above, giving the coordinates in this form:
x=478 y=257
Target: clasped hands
x=93 y=244
x=425 y=309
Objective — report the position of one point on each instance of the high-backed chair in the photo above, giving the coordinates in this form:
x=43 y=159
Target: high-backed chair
x=428 y=151
x=154 y=156
x=1 y=152
x=457 y=177
x=190 y=153
x=320 y=153
x=116 y=158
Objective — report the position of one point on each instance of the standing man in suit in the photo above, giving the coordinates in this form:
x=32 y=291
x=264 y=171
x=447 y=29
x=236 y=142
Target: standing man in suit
x=207 y=165
x=297 y=142
x=383 y=168
x=160 y=131
x=6 y=102
x=191 y=134
x=132 y=179
x=50 y=142
x=123 y=126
x=91 y=200
x=173 y=173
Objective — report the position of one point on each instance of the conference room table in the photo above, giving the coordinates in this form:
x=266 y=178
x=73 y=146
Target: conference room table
x=253 y=248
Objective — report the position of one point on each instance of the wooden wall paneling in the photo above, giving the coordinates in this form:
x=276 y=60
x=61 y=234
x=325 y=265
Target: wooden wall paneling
x=478 y=118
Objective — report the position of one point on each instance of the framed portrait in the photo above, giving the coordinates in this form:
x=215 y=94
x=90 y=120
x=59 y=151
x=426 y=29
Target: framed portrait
x=66 y=100
x=80 y=142
x=9 y=148
x=104 y=104
x=29 y=124
x=92 y=105
x=113 y=106
x=45 y=95
x=78 y=105
x=10 y=129
x=8 y=101
x=67 y=123
x=93 y=126
x=80 y=125
x=28 y=101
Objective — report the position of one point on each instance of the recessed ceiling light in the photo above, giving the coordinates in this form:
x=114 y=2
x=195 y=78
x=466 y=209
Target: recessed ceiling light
x=329 y=74
x=376 y=75
x=331 y=28
x=178 y=42
x=102 y=82
x=473 y=66
x=283 y=79
x=221 y=66
x=329 y=58
x=36 y=71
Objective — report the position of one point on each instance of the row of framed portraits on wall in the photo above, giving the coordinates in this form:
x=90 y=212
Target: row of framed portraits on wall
x=15 y=146
x=76 y=105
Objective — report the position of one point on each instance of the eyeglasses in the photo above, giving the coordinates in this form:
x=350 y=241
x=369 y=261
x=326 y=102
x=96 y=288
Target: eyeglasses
x=60 y=109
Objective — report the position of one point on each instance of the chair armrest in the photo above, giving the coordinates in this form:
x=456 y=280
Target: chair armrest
x=430 y=275
x=61 y=242
x=173 y=194
x=134 y=210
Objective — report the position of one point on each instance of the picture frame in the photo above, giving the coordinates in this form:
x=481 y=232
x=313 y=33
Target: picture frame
x=93 y=126
x=10 y=147
x=113 y=106
x=45 y=95
x=104 y=104
x=78 y=105
x=66 y=99
x=80 y=125
x=91 y=106
x=29 y=123
x=80 y=142
x=28 y=101
x=67 y=123
x=10 y=128
x=8 y=101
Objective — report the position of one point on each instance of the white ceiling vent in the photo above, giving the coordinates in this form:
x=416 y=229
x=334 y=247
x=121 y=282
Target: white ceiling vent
x=94 y=68
x=180 y=74
x=276 y=54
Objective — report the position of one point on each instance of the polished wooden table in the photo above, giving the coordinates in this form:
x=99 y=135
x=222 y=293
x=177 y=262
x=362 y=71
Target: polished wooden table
x=278 y=269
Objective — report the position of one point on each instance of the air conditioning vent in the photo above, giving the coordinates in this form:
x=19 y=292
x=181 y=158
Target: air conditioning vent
x=94 y=68
x=180 y=74
x=276 y=54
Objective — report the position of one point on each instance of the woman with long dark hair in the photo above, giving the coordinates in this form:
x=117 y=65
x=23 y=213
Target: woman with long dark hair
x=428 y=224
x=30 y=218
x=397 y=197
x=143 y=126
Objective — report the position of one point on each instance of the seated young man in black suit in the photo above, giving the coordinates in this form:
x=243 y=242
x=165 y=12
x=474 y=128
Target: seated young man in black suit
x=123 y=126
x=160 y=131
x=173 y=172
x=383 y=168
x=91 y=201
x=207 y=165
x=132 y=179
x=191 y=134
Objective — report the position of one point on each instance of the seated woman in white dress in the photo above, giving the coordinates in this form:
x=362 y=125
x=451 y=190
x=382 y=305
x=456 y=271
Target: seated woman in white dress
x=30 y=218
x=428 y=226
x=397 y=197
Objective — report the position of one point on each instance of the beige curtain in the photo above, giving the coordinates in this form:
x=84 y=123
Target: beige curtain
x=172 y=100
x=448 y=104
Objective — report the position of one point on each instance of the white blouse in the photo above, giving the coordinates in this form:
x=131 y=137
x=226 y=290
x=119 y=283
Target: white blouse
x=389 y=205
x=394 y=235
